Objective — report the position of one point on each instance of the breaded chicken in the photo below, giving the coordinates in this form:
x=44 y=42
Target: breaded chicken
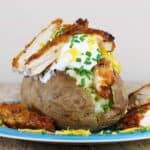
x=137 y=117
x=16 y=115
x=44 y=48
x=104 y=77
x=139 y=97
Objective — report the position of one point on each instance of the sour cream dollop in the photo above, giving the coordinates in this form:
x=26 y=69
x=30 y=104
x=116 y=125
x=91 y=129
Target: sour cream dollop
x=81 y=52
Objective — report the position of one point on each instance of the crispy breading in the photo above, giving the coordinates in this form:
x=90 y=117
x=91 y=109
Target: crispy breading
x=104 y=77
x=133 y=117
x=51 y=28
x=139 y=97
x=16 y=115
x=34 y=61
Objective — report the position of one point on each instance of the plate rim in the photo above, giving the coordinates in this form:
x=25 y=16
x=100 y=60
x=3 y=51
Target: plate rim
x=36 y=137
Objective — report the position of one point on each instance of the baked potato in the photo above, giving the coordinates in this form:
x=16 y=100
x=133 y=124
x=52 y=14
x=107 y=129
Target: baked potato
x=72 y=106
x=71 y=75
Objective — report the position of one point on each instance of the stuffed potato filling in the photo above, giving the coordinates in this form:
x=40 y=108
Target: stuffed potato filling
x=83 y=53
x=92 y=68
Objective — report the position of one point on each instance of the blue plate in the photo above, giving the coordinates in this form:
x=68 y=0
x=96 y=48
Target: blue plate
x=94 y=138
x=53 y=138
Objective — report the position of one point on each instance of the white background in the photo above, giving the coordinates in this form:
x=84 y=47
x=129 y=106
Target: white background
x=127 y=20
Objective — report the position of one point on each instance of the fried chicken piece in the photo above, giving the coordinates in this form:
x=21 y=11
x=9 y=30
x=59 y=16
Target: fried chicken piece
x=104 y=78
x=138 y=109
x=35 y=58
x=139 y=97
x=16 y=115
x=134 y=118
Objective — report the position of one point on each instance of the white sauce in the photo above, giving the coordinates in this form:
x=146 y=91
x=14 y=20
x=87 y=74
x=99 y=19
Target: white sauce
x=68 y=56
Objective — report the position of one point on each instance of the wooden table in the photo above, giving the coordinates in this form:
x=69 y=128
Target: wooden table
x=7 y=144
x=10 y=91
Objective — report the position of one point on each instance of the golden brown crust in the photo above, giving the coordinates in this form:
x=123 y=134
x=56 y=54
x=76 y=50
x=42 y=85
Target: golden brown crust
x=57 y=21
x=133 y=117
x=104 y=77
x=80 y=26
x=16 y=115
x=15 y=60
x=139 y=97
x=145 y=86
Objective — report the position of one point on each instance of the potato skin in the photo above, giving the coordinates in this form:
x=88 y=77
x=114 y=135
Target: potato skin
x=71 y=105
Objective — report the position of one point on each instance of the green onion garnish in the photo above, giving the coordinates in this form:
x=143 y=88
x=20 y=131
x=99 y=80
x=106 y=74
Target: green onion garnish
x=82 y=37
x=87 y=62
x=78 y=60
x=106 y=107
x=73 y=40
x=59 y=32
x=82 y=82
x=83 y=72
x=98 y=57
x=88 y=53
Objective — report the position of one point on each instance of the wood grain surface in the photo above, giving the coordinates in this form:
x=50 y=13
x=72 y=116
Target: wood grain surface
x=9 y=144
x=10 y=91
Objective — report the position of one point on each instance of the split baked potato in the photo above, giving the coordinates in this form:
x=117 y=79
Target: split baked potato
x=71 y=75
x=72 y=106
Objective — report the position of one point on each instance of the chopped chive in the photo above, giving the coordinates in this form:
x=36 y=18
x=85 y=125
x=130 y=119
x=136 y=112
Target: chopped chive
x=98 y=50
x=94 y=59
x=88 y=53
x=77 y=41
x=92 y=91
x=82 y=82
x=82 y=72
x=75 y=36
x=96 y=98
x=82 y=38
x=143 y=130
x=88 y=76
x=71 y=45
x=106 y=107
x=74 y=39
x=48 y=42
x=87 y=62
x=98 y=57
x=110 y=103
x=78 y=60
x=72 y=42
x=43 y=132
x=59 y=32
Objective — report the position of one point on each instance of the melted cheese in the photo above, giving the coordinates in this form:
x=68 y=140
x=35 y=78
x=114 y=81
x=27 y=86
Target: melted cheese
x=81 y=132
